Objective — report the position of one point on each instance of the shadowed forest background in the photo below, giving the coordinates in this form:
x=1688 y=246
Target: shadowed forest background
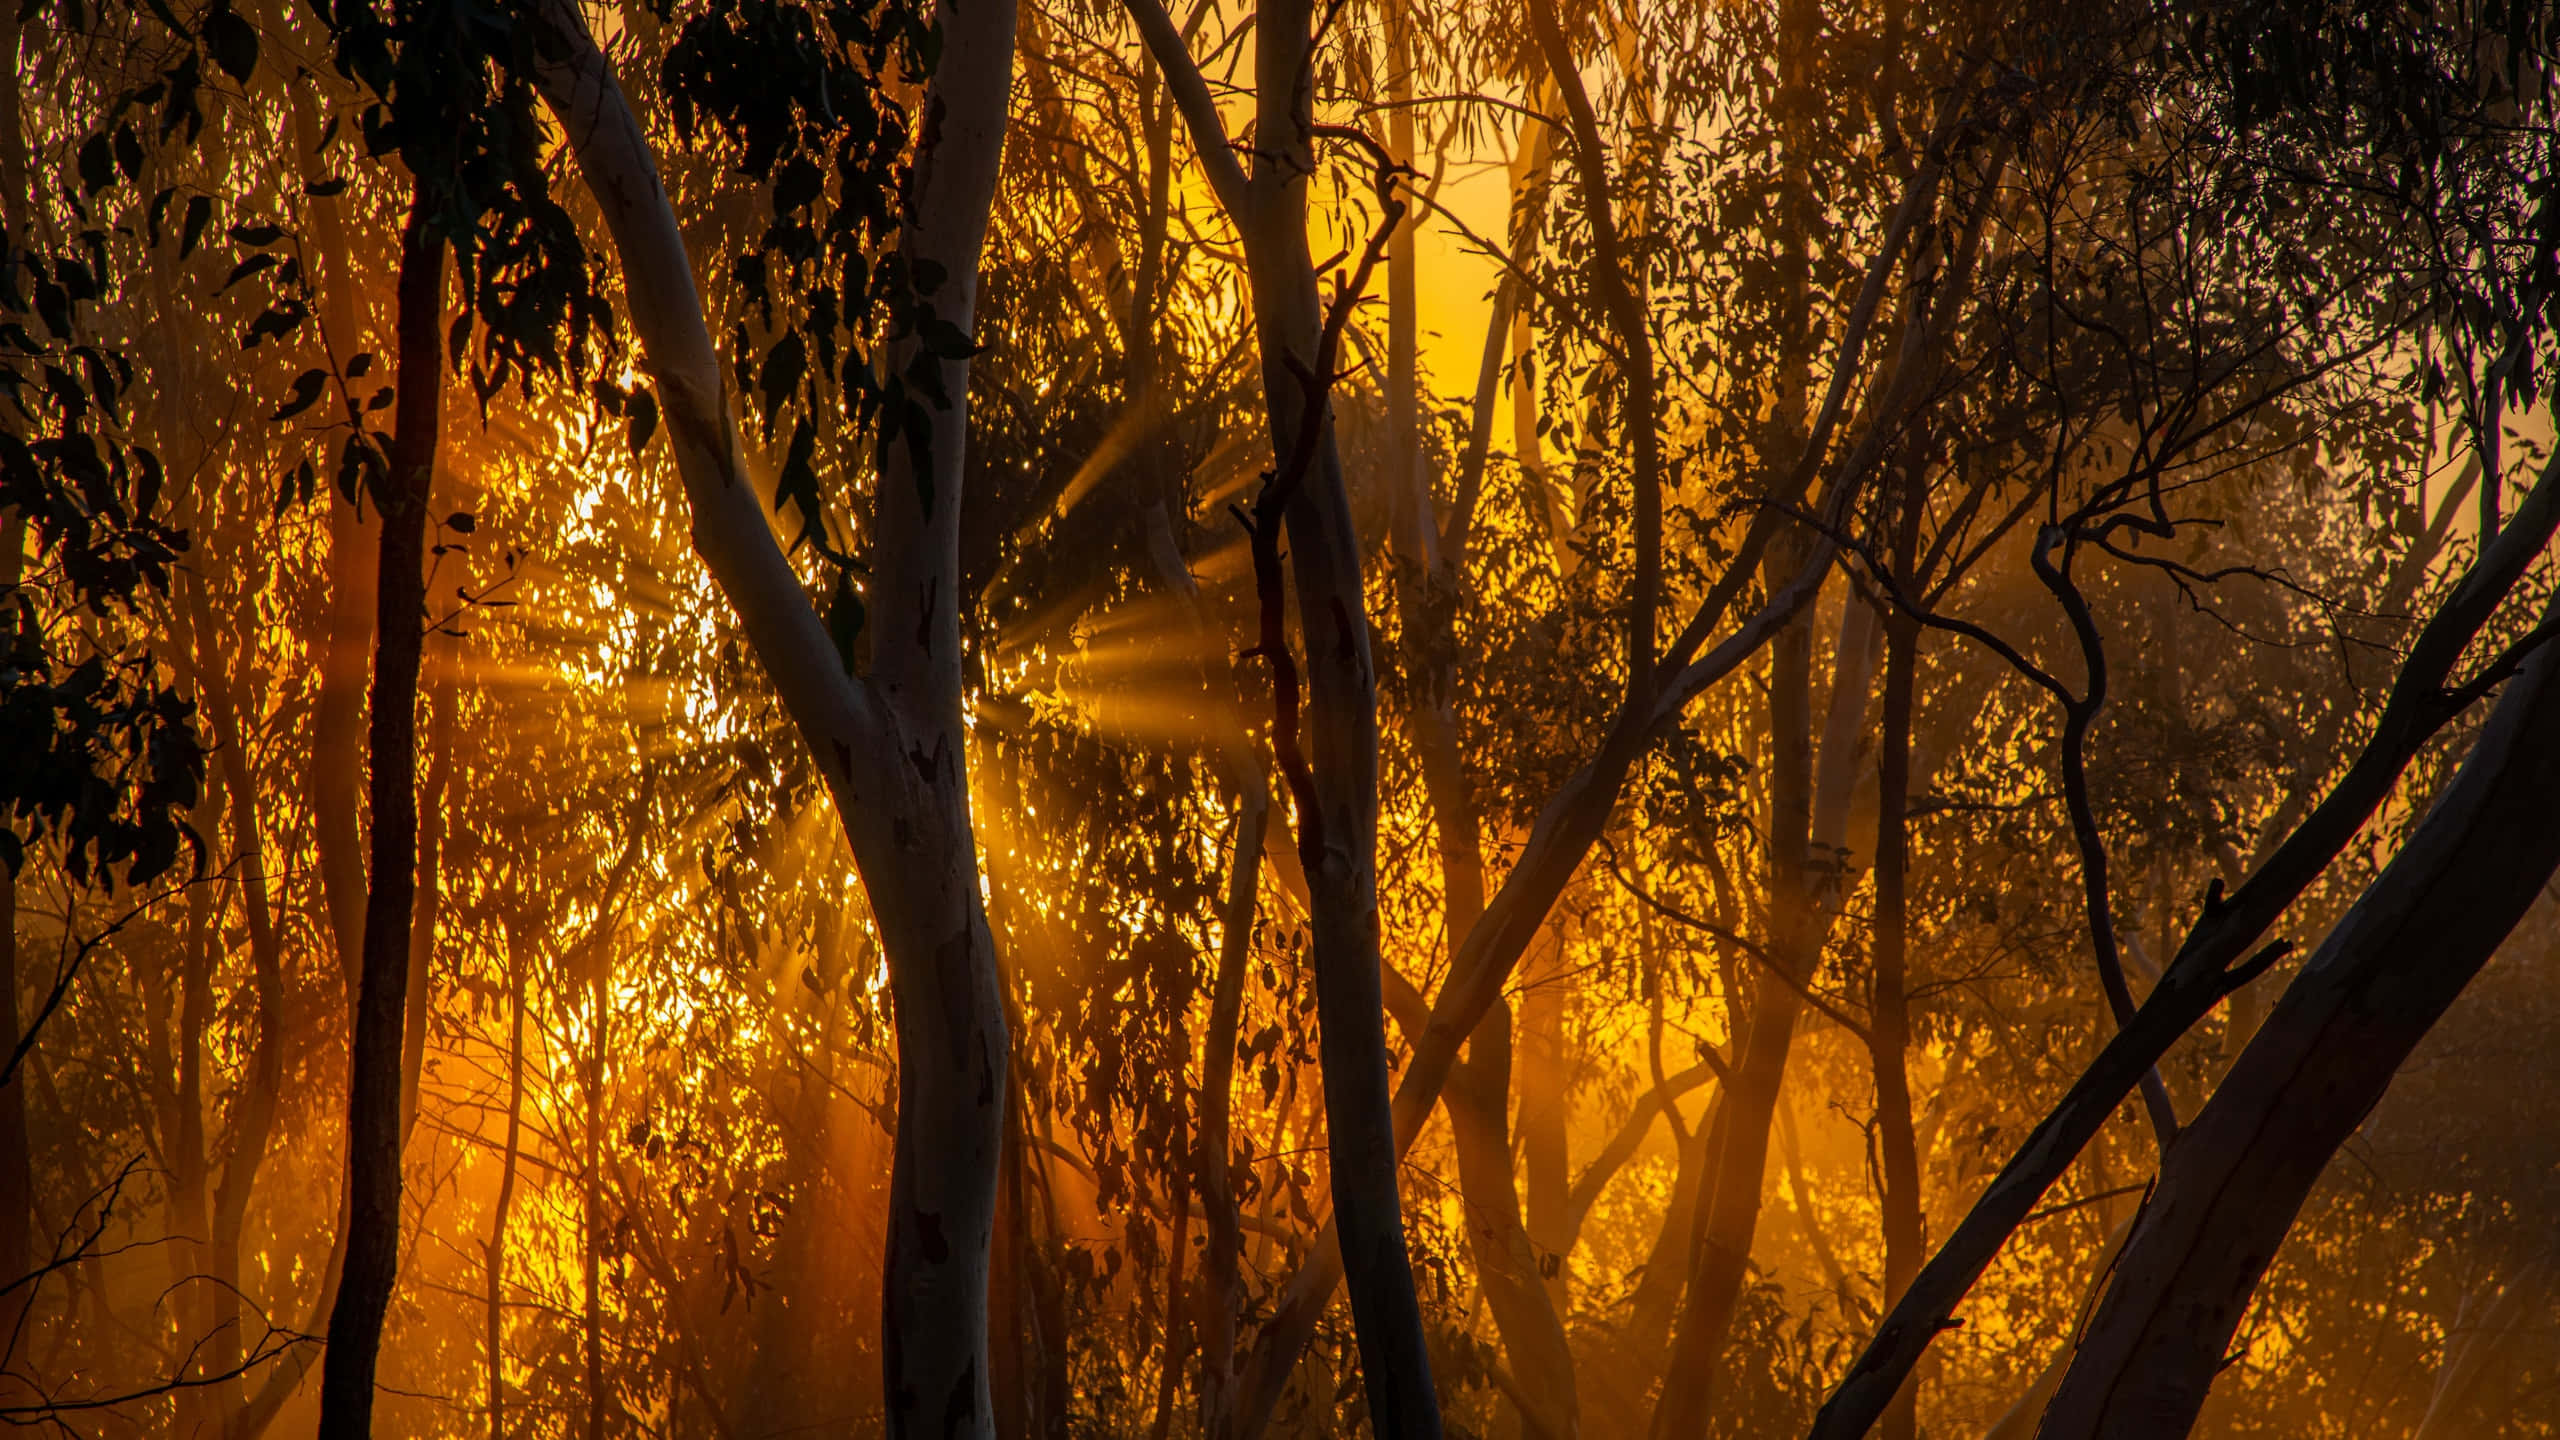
x=755 y=718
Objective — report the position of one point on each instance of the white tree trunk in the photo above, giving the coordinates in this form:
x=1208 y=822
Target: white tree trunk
x=891 y=745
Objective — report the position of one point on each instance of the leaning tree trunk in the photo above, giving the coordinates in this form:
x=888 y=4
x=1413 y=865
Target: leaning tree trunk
x=2232 y=1185
x=373 y=1089
x=2212 y=962
x=890 y=744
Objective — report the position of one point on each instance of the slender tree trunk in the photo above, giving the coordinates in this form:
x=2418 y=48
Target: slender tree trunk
x=2229 y=1191
x=17 y=1161
x=1221 y=1287
x=1338 y=841
x=254 y=1109
x=1808 y=822
x=184 y=1143
x=591 y=1184
x=1889 y=1022
x=503 y=1210
x=1479 y=1095
x=337 y=777
x=2472 y=1351
x=1544 y=1075
x=429 y=899
x=373 y=1100
x=1729 y=1215
x=345 y=645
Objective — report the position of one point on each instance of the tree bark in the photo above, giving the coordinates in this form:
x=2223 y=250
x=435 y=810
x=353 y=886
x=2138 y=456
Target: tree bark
x=428 y=898
x=373 y=1098
x=1889 y=1020
x=890 y=744
x=503 y=1210
x=2232 y=1186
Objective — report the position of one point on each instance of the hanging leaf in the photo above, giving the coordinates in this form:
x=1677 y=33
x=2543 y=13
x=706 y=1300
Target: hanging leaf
x=643 y=421
x=97 y=164
x=199 y=213
x=233 y=43
x=306 y=393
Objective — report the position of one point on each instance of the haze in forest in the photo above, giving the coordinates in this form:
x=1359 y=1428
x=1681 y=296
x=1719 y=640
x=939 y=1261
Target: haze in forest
x=1105 y=718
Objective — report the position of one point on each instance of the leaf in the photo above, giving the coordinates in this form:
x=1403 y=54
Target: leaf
x=844 y=620
x=644 y=419
x=261 y=234
x=299 y=483
x=53 y=304
x=233 y=43
x=306 y=393
x=359 y=364
x=944 y=340
x=245 y=269
x=128 y=148
x=277 y=322
x=796 y=184
x=462 y=522
x=323 y=189
x=97 y=164
x=781 y=373
x=199 y=212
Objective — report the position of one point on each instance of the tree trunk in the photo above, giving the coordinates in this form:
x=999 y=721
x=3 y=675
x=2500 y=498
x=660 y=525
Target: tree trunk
x=890 y=744
x=1479 y=1095
x=254 y=1108
x=1544 y=1083
x=344 y=646
x=373 y=1098
x=1889 y=1022
x=1338 y=841
x=501 y=1212
x=17 y=1166
x=1808 y=822
x=2231 y=1187
x=591 y=1183
x=429 y=896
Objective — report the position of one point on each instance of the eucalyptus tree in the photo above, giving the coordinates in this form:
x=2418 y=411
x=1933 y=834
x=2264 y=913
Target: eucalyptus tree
x=884 y=729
